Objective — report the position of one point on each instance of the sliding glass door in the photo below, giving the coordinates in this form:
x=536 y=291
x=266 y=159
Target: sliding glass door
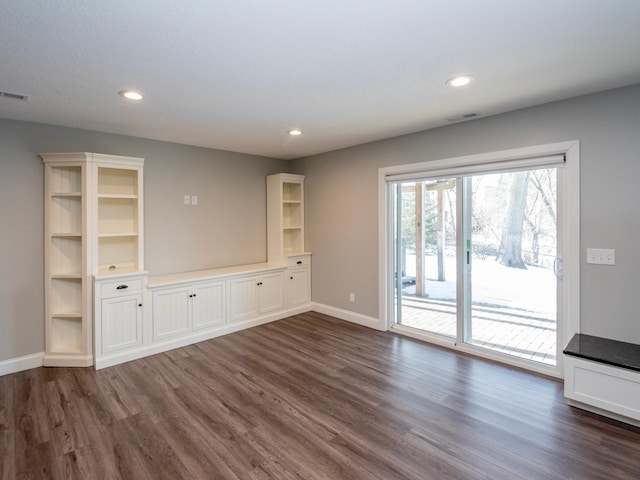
x=476 y=260
x=426 y=232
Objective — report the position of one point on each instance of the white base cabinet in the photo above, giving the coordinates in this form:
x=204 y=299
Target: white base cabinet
x=138 y=316
x=171 y=312
x=255 y=295
x=179 y=310
x=603 y=389
x=122 y=322
x=209 y=304
x=298 y=281
x=119 y=318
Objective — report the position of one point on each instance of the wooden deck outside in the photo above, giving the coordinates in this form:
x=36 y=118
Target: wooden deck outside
x=513 y=332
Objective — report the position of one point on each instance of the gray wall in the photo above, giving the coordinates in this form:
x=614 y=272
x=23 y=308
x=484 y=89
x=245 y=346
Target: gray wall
x=341 y=199
x=228 y=227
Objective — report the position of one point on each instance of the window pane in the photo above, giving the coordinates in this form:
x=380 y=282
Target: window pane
x=426 y=259
x=510 y=276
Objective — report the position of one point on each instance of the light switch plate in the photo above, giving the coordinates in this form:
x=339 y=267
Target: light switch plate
x=601 y=256
x=187 y=199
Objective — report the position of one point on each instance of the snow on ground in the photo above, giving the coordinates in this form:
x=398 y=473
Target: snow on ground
x=533 y=289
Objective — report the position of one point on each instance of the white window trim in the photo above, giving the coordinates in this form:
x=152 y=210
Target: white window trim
x=570 y=228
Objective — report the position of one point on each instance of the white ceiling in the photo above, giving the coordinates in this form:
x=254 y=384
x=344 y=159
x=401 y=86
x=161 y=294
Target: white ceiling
x=237 y=74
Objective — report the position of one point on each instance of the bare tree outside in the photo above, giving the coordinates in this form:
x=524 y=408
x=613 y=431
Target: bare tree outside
x=510 y=251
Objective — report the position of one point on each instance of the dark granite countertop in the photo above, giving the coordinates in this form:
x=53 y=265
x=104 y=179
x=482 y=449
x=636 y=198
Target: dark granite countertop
x=605 y=350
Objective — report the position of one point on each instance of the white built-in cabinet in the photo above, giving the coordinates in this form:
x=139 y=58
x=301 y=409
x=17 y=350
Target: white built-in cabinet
x=171 y=312
x=119 y=214
x=209 y=304
x=285 y=235
x=298 y=280
x=180 y=309
x=255 y=295
x=93 y=224
x=119 y=313
x=285 y=215
x=101 y=306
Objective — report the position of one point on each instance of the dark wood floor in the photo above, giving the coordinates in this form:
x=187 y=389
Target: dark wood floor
x=308 y=397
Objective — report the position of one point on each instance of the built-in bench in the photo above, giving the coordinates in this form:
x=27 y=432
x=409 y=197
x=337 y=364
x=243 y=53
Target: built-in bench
x=603 y=376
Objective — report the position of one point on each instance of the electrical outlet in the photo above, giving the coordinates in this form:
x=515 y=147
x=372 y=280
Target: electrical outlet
x=187 y=199
x=601 y=256
x=352 y=297
x=194 y=199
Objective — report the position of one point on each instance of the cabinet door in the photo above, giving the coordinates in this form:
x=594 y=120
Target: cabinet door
x=208 y=303
x=121 y=322
x=297 y=283
x=170 y=312
x=271 y=292
x=244 y=298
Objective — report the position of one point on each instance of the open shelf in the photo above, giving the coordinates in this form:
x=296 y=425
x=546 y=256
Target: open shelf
x=66 y=235
x=65 y=255
x=65 y=215
x=118 y=196
x=117 y=234
x=117 y=182
x=292 y=240
x=66 y=334
x=118 y=251
x=65 y=295
x=285 y=215
x=117 y=214
x=291 y=192
x=66 y=194
x=118 y=220
x=66 y=180
x=292 y=215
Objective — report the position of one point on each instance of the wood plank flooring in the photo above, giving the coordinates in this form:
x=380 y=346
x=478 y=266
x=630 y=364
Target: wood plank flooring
x=308 y=397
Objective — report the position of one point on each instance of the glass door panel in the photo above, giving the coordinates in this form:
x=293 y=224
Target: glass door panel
x=510 y=227
x=426 y=232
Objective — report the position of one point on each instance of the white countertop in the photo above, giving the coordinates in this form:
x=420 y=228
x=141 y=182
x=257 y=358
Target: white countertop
x=187 y=277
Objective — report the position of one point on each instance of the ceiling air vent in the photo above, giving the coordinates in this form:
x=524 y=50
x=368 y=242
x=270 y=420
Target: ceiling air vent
x=15 y=96
x=464 y=116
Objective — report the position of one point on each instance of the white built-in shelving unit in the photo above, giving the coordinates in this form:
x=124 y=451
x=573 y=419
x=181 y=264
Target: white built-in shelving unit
x=101 y=307
x=119 y=214
x=93 y=224
x=285 y=215
x=67 y=306
x=285 y=235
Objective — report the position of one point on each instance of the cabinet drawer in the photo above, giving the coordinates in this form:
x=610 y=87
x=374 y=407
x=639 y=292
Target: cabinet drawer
x=121 y=287
x=299 y=261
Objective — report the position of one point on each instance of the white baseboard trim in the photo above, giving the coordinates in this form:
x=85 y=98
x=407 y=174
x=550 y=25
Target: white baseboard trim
x=15 y=365
x=352 y=317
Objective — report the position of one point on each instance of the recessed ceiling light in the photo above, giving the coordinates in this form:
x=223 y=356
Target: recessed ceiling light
x=460 y=80
x=296 y=132
x=130 y=94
